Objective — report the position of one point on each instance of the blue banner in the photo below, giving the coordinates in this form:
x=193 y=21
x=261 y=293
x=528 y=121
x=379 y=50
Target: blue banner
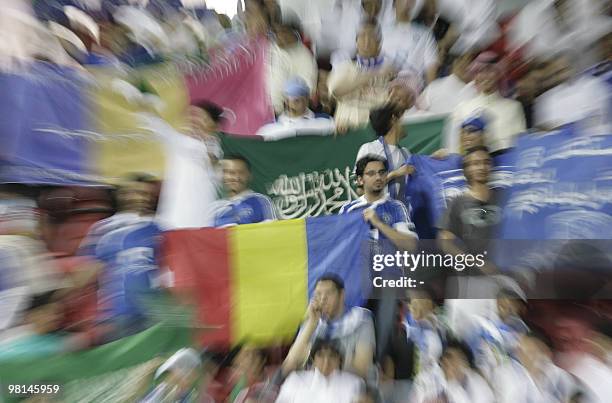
x=562 y=188
x=44 y=114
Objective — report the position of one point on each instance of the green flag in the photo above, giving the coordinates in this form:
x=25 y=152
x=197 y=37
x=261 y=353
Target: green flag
x=309 y=176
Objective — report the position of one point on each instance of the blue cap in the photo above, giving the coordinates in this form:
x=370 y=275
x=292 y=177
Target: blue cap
x=474 y=124
x=296 y=87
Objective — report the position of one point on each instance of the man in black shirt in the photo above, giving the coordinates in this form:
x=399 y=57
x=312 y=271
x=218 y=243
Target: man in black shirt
x=473 y=217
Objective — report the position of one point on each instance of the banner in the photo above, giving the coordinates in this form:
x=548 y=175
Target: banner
x=253 y=281
x=236 y=80
x=43 y=110
x=102 y=374
x=121 y=146
x=562 y=188
x=437 y=181
x=310 y=176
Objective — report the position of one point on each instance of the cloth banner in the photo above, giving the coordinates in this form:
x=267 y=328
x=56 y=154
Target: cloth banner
x=43 y=111
x=253 y=281
x=562 y=188
x=236 y=81
x=310 y=176
x=109 y=373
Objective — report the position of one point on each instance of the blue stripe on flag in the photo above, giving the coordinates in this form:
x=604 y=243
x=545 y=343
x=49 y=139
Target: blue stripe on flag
x=338 y=244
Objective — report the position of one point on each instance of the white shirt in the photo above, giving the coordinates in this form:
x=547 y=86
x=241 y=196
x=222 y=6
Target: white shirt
x=536 y=29
x=505 y=120
x=333 y=25
x=411 y=47
x=555 y=385
x=353 y=109
x=595 y=375
x=430 y=385
x=191 y=182
x=444 y=94
x=475 y=21
x=287 y=126
x=26 y=269
x=286 y=63
x=398 y=156
x=585 y=100
x=313 y=387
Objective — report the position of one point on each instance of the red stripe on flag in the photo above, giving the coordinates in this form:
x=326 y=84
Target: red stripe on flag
x=199 y=260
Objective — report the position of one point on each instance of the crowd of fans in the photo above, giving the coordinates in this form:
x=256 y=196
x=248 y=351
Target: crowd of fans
x=76 y=264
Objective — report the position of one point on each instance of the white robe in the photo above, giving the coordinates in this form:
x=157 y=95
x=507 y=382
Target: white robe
x=191 y=182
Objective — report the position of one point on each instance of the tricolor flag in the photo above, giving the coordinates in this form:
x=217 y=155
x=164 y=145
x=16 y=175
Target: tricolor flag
x=253 y=281
x=60 y=125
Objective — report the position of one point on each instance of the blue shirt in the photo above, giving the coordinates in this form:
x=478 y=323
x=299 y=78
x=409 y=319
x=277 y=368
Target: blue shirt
x=247 y=208
x=392 y=212
x=131 y=271
x=103 y=227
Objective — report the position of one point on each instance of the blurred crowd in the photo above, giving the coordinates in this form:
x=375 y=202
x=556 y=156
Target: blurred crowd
x=78 y=264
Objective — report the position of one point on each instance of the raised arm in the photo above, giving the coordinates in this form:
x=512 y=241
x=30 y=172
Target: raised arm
x=298 y=353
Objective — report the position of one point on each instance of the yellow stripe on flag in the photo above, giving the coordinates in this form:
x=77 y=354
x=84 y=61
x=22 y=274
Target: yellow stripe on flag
x=269 y=264
x=127 y=148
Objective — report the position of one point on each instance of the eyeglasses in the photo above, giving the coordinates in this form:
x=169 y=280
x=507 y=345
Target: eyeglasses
x=381 y=172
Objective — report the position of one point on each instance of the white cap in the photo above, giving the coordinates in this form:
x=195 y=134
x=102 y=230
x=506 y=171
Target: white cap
x=80 y=20
x=64 y=34
x=184 y=361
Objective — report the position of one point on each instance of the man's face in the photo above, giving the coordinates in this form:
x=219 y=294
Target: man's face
x=322 y=89
x=486 y=79
x=329 y=298
x=421 y=307
x=285 y=37
x=461 y=67
x=557 y=72
x=507 y=307
x=273 y=8
x=454 y=364
x=45 y=319
x=403 y=9
x=297 y=105
x=471 y=139
x=255 y=21
x=371 y=8
x=374 y=177
x=249 y=361
x=136 y=196
x=402 y=97
x=368 y=42
x=236 y=176
x=477 y=167
x=326 y=361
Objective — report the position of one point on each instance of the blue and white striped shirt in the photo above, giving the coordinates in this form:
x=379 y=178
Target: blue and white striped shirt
x=392 y=212
x=247 y=208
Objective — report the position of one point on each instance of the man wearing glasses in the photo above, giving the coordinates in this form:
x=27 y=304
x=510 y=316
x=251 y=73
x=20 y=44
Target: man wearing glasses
x=388 y=218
